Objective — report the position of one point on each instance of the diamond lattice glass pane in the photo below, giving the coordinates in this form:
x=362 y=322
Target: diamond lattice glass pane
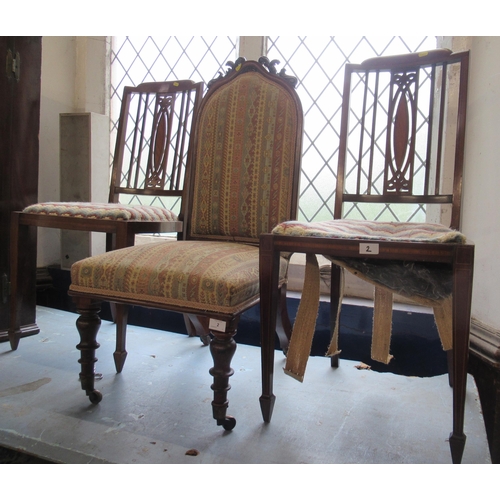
x=318 y=63
x=137 y=59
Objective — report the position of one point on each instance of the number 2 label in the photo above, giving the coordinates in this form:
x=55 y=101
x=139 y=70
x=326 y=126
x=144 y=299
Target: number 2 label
x=217 y=325
x=369 y=248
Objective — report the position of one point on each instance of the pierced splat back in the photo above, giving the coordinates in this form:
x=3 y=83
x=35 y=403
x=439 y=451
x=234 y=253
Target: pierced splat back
x=393 y=143
x=152 y=140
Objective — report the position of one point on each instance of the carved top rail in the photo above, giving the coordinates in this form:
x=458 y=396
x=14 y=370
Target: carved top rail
x=270 y=65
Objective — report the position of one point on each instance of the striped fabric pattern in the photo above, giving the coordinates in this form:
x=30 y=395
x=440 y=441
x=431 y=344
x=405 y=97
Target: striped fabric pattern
x=104 y=211
x=243 y=183
x=210 y=276
x=372 y=230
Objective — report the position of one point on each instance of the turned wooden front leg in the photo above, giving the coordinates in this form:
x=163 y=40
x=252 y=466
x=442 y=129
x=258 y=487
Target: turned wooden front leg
x=222 y=348
x=88 y=325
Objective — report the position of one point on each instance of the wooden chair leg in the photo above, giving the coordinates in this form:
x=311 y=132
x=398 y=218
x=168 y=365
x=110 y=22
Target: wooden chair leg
x=190 y=328
x=110 y=242
x=335 y=304
x=449 y=358
x=112 y=308
x=222 y=348
x=269 y=270
x=88 y=325
x=283 y=323
x=462 y=295
x=120 y=353
x=197 y=326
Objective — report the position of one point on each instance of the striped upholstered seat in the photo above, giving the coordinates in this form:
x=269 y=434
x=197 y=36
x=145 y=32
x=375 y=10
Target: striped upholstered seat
x=365 y=229
x=103 y=211
x=226 y=275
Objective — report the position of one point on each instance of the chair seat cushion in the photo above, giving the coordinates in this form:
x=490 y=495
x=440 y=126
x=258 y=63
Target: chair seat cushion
x=104 y=211
x=415 y=280
x=372 y=230
x=205 y=275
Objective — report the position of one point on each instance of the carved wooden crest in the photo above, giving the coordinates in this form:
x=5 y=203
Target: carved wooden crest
x=265 y=62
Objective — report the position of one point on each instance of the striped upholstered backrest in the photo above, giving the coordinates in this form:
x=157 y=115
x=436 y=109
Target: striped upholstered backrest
x=247 y=156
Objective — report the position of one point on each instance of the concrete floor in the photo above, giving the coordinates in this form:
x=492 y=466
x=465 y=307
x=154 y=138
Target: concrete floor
x=158 y=408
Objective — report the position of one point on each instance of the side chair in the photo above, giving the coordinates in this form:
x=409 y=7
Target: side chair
x=247 y=147
x=150 y=161
x=401 y=150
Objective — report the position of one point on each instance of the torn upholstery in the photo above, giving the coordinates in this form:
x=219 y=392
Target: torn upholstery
x=429 y=284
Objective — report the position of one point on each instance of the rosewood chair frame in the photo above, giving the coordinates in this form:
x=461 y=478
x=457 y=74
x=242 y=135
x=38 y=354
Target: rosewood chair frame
x=460 y=257
x=221 y=326
x=150 y=159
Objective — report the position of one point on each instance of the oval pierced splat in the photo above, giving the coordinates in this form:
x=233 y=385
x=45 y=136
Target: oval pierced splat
x=402 y=140
x=401 y=131
x=160 y=145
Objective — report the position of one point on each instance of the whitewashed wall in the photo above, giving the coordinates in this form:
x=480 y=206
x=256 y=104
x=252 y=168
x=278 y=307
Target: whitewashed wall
x=74 y=79
x=481 y=204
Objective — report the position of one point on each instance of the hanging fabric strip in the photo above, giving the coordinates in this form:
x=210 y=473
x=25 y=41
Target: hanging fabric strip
x=305 y=322
x=382 y=325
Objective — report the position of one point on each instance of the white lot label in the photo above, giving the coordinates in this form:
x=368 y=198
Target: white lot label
x=368 y=248
x=217 y=325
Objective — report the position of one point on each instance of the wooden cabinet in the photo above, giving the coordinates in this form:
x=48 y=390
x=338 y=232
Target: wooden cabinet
x=484 y=365
x=20 y=72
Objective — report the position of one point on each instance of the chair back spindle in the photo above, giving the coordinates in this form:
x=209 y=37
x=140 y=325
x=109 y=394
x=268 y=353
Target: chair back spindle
x=152 y=139
x=394 y=144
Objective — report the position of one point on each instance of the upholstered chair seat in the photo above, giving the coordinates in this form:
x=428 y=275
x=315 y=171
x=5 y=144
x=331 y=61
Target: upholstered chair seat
x=427 y=283
x=103 y=211
x=211 y=276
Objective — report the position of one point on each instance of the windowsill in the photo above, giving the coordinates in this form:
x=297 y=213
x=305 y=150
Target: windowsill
x=141 y=239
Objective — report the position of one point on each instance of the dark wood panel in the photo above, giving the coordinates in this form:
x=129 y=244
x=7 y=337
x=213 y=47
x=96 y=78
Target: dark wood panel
x=19 y=149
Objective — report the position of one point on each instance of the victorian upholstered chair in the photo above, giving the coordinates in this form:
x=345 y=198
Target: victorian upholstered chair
x=401 y=145
x=244 y=181
x=149 y=163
